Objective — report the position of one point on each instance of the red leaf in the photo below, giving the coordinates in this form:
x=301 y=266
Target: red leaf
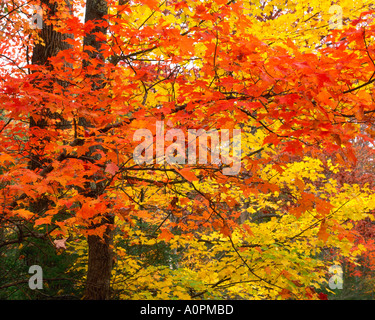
x=322 y=296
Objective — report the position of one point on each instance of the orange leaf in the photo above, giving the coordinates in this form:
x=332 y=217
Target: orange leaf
x=63 y=228
x=286 y=274
x=166 y=234
x=230 y=201
x=340 y=159
x=360 y=113
x=6 y=157
x=351 y=156
x=296 y=211
x=323 y=207
x=45 y=220
x=285 y=294
x=226 y=231
x=152 y=4
x=188 y=174
x=259 y=249
x=337 y=139
x=299 y=183
x=90 y=209
x=99 y=231
x=26 y=214
x=248 y=229
x=322 y=233
x=268 y=270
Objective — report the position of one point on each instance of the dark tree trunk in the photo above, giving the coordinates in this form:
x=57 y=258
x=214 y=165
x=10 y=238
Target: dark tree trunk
x=52 y=43
x=100 y=252
x=99 y=266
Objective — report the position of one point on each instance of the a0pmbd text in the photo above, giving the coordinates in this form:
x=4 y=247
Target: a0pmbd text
x=195 y=309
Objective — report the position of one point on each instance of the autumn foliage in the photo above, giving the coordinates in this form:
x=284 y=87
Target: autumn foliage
x=74 y=94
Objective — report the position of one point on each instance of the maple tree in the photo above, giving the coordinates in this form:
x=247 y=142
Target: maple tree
x=76 y=92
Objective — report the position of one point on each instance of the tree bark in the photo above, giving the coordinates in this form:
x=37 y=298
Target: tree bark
x=100 y=252
x=52 y=43
x=99 y=266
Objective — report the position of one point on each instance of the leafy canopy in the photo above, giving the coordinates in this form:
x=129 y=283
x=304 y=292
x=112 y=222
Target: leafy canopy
x=301 y=93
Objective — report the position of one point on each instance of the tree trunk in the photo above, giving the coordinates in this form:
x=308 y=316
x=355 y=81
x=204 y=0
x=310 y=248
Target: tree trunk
x=99 y=266
x=52 y=43
x=100 y=252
